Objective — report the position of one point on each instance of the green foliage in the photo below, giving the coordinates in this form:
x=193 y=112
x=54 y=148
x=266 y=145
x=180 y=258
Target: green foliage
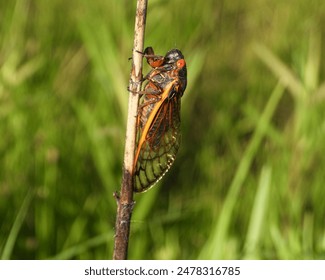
x=248 y=182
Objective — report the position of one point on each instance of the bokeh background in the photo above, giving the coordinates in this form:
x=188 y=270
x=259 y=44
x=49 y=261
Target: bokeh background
x=249 y=179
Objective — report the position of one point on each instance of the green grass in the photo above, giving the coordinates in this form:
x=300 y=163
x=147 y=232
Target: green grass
x=248 y=182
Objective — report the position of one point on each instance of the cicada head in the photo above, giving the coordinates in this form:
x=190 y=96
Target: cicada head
x=173 y=55
x=174 y=60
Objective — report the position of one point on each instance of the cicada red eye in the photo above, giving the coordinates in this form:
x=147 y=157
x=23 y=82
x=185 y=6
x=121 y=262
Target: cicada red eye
x=158 y=131
x=180 y=63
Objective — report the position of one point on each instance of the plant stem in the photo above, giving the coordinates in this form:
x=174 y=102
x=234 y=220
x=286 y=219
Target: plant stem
x=125 y=199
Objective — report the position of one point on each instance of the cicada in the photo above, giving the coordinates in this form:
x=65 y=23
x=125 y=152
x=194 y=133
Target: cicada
x=158 y=121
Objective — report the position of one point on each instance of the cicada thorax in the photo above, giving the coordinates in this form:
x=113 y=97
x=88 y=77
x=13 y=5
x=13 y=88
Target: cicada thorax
x=158 y=133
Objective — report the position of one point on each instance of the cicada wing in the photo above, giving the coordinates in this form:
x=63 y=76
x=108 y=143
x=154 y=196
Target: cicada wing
x=159 y=148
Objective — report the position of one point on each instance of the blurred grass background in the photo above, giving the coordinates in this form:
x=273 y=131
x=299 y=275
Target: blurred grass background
x=249 y=180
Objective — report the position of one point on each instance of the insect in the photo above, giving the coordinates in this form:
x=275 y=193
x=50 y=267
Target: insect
x=158 y=124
